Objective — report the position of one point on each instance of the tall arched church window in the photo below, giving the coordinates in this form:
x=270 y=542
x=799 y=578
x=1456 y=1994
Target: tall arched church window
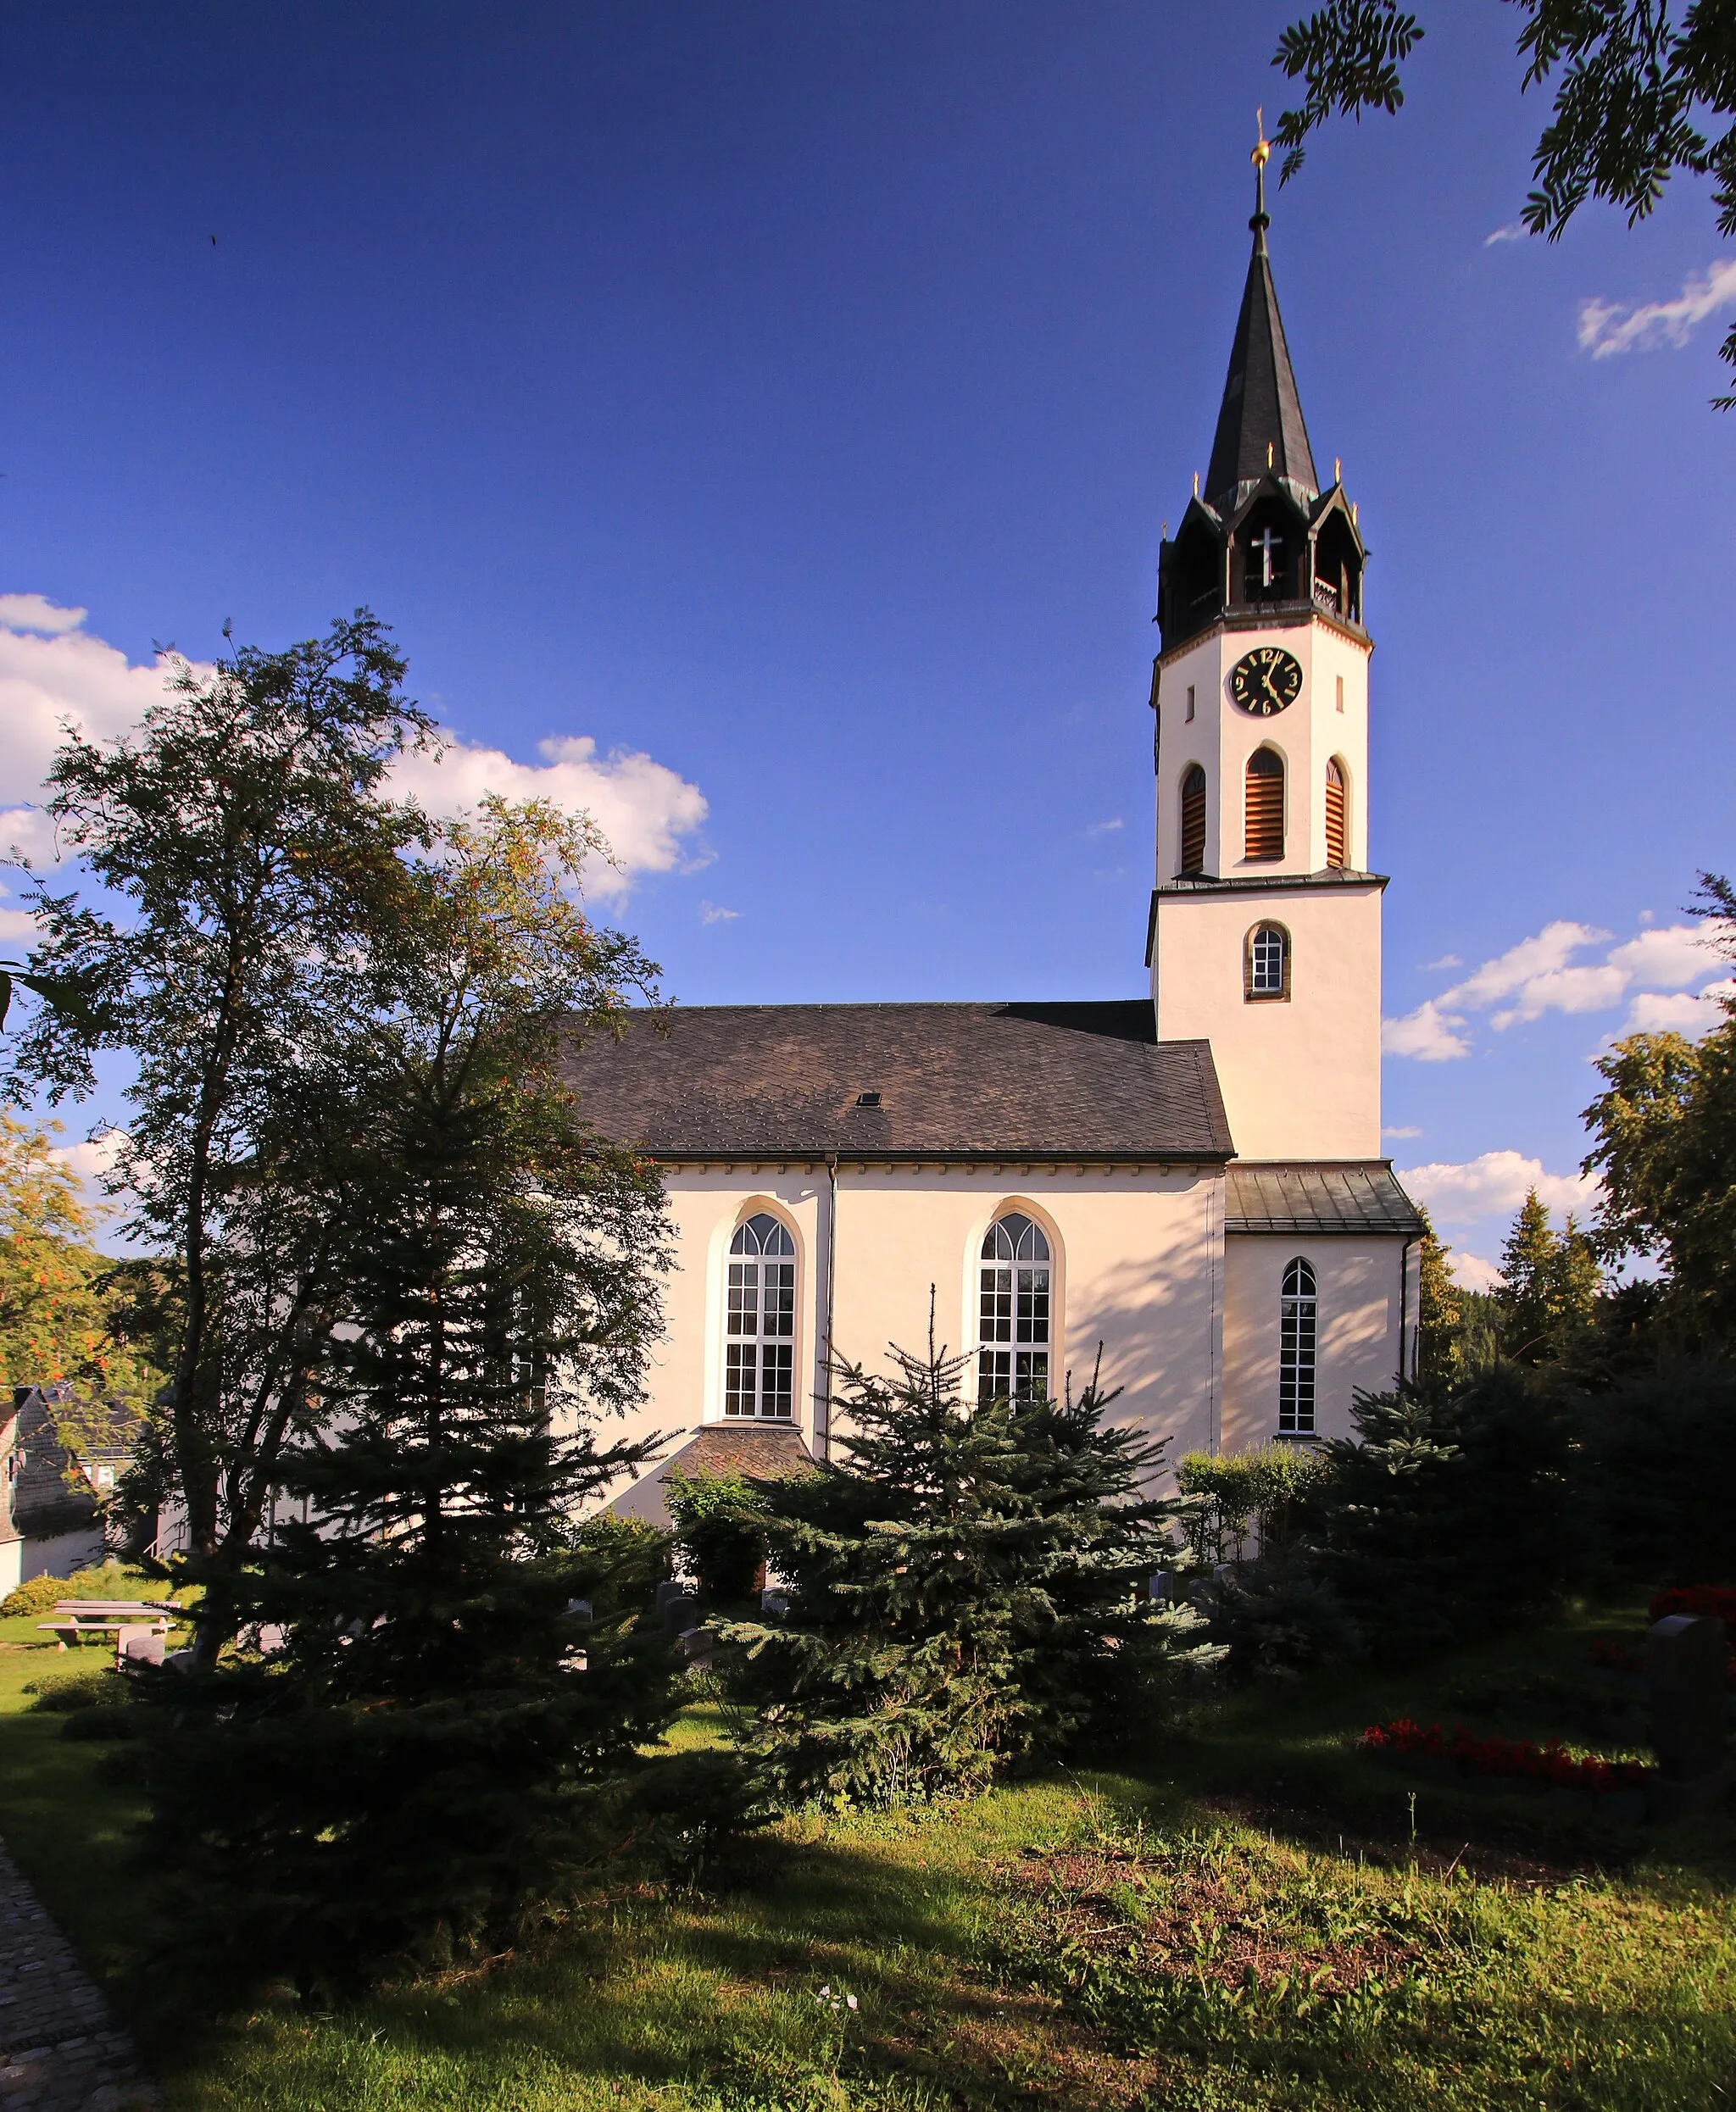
x=1192 y=821
x=759 y=1348
x=1268 y=964
x=1012 y=1334
x=1299 y=1314
x=1338 y=831
x=1263 y=806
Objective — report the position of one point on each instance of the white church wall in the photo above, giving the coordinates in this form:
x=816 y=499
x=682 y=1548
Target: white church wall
x=1137 y=1264
x=1357 y=1321
x=1300 y=1075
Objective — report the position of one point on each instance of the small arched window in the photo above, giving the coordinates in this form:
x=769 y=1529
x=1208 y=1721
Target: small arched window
x=1263 y=806
x=1012 y=1334
x=1192 y=821
x=1299 y=1314
x=760 y=1350
x=1266 y=966
x=1338 y=827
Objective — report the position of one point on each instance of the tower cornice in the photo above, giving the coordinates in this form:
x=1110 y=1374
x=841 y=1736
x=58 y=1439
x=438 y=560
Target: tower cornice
x=1268 y=616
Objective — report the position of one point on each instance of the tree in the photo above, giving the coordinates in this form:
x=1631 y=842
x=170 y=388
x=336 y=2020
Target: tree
x=244 y=827
x=57 y=1317
x=1548 y=1286
x=429 y=1756
x=1439 y=1308
x=1448 y=1512
x=1639 y=89
x=968 y=1586
x=1665 y=1146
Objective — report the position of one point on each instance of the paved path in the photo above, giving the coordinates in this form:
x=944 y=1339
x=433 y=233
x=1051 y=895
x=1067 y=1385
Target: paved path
x=60 y=2050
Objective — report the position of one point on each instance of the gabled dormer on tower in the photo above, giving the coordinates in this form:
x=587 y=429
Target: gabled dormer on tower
x=1265 y=921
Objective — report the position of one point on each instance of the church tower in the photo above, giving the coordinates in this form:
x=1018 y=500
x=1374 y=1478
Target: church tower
x=1265 y=929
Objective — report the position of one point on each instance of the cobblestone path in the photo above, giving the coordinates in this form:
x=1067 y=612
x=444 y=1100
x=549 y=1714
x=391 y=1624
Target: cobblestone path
x=60 y=2050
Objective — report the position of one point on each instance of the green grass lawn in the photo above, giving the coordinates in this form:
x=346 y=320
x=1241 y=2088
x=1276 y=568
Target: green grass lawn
x=1252 y=1916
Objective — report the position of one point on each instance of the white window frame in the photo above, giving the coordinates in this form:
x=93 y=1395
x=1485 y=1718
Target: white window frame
x=1015 y=1309
x=759 y=1322
x=1298 y=1348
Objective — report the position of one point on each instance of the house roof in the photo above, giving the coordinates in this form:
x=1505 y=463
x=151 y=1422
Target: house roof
x=1346 y=1195
x=972 y=1081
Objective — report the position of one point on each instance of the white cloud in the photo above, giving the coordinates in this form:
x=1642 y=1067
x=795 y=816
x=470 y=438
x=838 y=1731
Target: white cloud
x=1428 y=1034
x=1689 y=1012
x=91 y=1159
x=642 y=807
x=1514 y=231
x=714 y=913
x=1403 y=1129
x=1496 y=1182
x=1105 y=828
x=1540 y=974
x=47 y=683
x=1608 y=327
x=1446 y=960
x=67 y=676
x=35 y=612
x=1473 y=1272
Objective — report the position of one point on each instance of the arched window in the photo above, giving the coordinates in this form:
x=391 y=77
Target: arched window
x=1012 y=1354
x=1192 y=821
x=1263 y=806
x=1337 y=831
x=1298 y=1311
x=759 y=1355
x=1266 y=965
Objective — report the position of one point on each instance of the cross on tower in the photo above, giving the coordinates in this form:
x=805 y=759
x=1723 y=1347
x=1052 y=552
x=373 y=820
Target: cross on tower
x=1266 y=543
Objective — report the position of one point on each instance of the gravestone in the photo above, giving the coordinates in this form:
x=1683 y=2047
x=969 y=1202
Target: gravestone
x=669 y=1589
x=1686 y=1655
x=679 y=1612
x=1161 y=1585
x=774 y=1603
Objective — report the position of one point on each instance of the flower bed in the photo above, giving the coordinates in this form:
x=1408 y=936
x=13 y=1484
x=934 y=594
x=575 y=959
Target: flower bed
x=1718 y=1600
x=1550 y=1766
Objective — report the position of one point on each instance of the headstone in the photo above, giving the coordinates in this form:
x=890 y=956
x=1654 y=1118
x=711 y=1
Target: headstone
x=669 y=1589
x=139 y=1644
x=775 y=1603
x=1161 y=1586
x=1686 y=1656
x=679 y=1612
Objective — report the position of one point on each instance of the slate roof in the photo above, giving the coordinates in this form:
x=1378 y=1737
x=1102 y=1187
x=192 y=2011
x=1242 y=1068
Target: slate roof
x=1260 y=405
x=972 y=1081
x=1349 y=1196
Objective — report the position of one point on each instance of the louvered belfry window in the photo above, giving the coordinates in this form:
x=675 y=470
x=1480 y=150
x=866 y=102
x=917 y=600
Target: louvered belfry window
x=1263 y=810
x=1192 y=822
x=1338 y=834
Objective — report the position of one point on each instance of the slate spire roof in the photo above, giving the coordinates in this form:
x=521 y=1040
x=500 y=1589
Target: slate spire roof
x=1262 y=408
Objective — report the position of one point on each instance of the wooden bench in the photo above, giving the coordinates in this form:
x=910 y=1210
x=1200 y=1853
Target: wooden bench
x=99 y=1618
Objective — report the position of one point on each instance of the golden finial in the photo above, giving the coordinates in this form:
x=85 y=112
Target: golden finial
x=1262 y=150
x=1337 y=468
x=1196 y=484
x=1268 y=453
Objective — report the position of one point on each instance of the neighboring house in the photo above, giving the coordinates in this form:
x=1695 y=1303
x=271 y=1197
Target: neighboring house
x=1192 y=1178
x=60 y=1454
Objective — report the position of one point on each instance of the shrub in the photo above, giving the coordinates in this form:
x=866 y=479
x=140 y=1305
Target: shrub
x=1658 y=1467
x=1515 y=1759
x=1277 y=1618
x=1270 y=1492
x=719 y=1527
x=968 y=1586
x=1448 y=1513
x=41 y=1594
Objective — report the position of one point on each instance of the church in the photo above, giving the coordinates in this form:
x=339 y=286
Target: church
x=1191 y=1178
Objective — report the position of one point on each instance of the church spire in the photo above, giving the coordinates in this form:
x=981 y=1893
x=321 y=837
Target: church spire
x=1260 y=431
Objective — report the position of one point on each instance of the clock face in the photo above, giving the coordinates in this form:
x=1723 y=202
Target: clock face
x=1266 y=680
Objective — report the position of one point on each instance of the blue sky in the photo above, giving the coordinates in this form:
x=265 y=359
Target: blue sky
x=790 y=396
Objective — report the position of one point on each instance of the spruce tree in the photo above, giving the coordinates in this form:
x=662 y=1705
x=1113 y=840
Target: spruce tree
x=1448 y=1512
x=434 y=1749
x=1439 y=1310
x=1548 y=1287
x=967 y=1586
